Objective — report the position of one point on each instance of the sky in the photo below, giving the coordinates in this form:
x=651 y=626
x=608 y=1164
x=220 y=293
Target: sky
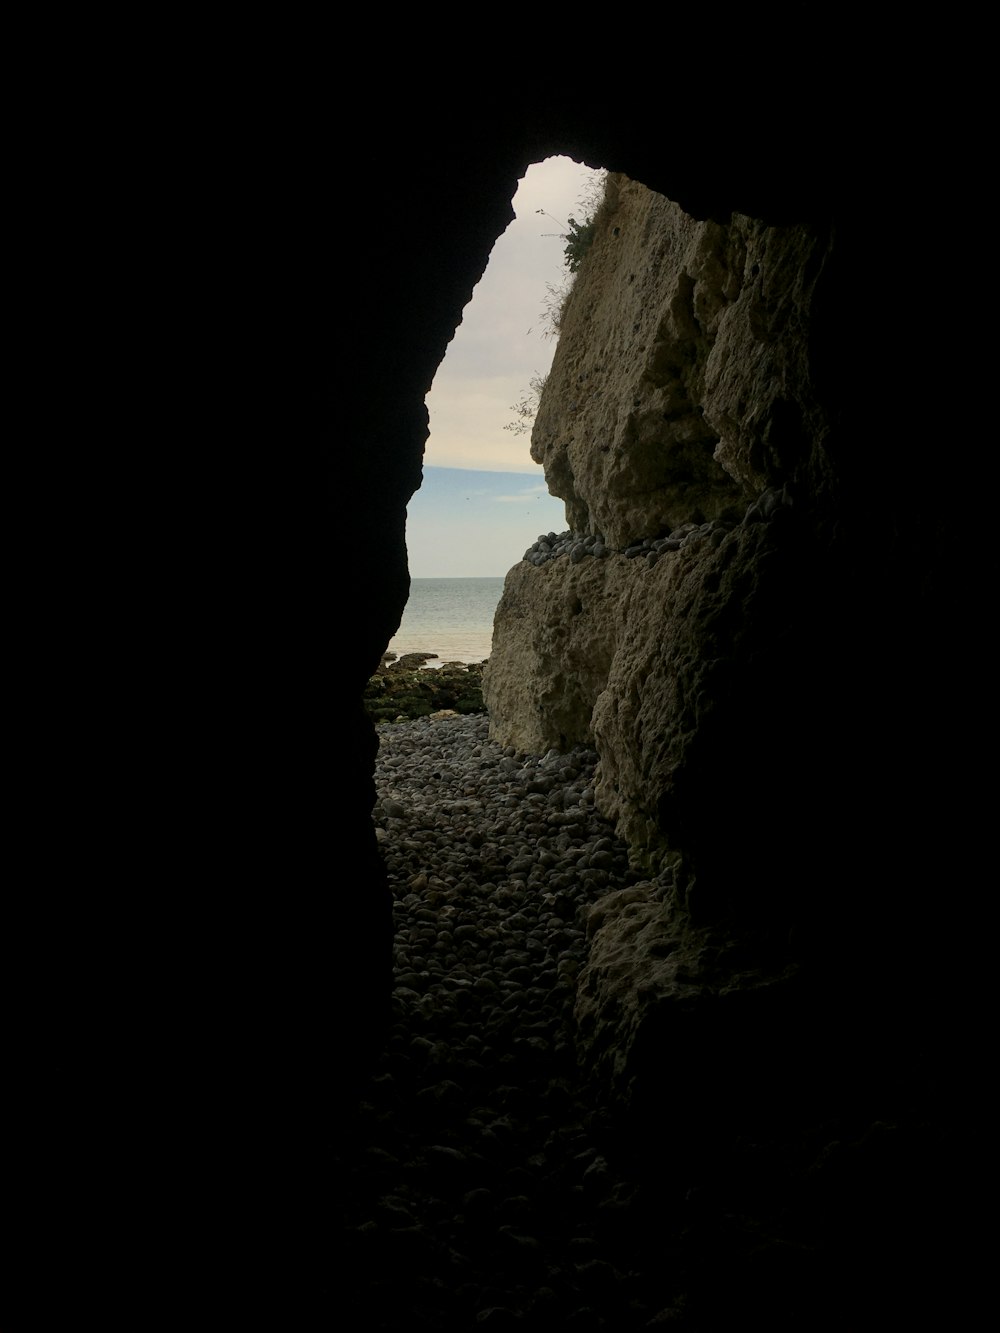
x=483 y=501
x=466 y=523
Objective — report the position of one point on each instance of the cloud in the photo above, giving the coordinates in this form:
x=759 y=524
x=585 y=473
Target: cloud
x=529 y=493
x=493 y=356
x=483 y=500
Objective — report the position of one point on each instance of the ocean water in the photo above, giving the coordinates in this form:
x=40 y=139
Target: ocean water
x=450 y=617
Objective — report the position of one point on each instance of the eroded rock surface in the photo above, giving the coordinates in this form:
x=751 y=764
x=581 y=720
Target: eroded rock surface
x=680 y=426
x=699 y=626
x=680 y=387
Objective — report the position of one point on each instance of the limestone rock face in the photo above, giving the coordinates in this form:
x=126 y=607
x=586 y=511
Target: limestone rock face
x=737 y=624
x=672 y=1014
x=643 y=958
x=555 y=637
x=690 y=626
x=680 y=384
x=679 y=413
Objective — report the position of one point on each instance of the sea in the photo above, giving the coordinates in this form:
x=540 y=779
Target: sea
x=450 y=617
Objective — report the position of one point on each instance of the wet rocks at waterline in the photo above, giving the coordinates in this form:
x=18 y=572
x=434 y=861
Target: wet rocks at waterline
x=405 y=688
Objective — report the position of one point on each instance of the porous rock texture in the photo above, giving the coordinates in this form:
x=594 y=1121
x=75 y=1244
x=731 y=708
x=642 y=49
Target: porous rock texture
x=554 y=639
x=680 y=391
x=719 y=625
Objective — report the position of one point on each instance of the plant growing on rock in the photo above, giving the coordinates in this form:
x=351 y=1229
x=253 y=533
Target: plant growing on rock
x=579 y=239
x=579 y=236
x=525 y=408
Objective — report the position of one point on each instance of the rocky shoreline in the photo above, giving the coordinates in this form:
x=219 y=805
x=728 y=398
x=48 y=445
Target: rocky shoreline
x=476 y=1192
x=483 y=1180
x=405 y=688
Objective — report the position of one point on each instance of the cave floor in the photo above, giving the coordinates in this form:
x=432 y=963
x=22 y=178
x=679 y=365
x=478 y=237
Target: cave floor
x=483 y=1180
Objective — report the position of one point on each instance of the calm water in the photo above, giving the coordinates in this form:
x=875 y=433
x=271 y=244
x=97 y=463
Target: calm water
x=450 y=617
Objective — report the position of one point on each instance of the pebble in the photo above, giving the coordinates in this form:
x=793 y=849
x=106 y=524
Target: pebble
x=475 y=1171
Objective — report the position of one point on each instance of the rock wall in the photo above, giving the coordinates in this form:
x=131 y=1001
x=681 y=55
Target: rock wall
x=555 y=638
x=681 y=383
x=735 y=633
x=681 y=426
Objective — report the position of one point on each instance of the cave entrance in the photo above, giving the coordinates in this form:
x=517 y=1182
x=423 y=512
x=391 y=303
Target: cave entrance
x=483 y=501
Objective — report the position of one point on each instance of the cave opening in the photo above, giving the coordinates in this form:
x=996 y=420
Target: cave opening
x=475 y=1145
x=482 y=1142
x=483 y=501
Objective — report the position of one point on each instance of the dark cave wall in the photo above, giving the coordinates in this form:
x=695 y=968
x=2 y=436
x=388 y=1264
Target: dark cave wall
x=211 y=969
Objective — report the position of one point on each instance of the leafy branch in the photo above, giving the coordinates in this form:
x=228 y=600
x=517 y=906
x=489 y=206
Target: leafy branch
x=578 y=236
x=524 y=410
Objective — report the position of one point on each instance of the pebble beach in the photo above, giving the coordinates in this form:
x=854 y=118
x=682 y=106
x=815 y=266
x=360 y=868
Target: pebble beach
x=484 y=1182
x=478 y=1194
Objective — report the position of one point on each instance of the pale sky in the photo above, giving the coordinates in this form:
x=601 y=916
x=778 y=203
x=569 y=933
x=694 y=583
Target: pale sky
x=483 y=528
x=499 y=345
x=466 y=523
